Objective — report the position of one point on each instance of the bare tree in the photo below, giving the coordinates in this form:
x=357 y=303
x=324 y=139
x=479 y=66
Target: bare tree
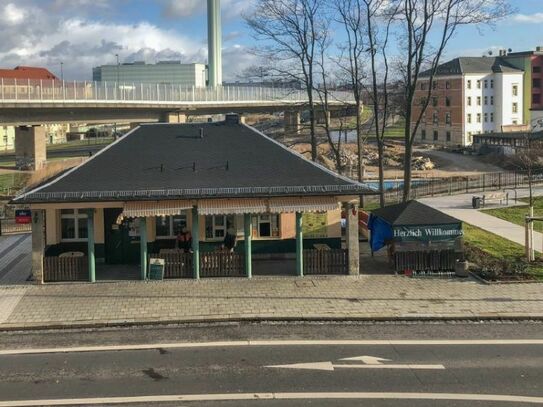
x=421 y=21
x=289 y=31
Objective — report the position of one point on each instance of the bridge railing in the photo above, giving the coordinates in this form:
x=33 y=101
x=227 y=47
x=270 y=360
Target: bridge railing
x=47 y=91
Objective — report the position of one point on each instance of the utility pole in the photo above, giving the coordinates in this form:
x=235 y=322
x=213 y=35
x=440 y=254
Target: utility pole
x=116 y=90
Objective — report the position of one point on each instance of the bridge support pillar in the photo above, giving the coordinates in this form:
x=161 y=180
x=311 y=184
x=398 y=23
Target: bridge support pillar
x=30 y=151
x=293 y=120
x=173 y=117
x=322 y=117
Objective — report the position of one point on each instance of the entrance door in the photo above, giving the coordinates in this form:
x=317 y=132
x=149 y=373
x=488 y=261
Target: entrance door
x=120 y=247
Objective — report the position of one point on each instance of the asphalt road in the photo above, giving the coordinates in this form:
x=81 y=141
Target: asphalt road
x=469 y=374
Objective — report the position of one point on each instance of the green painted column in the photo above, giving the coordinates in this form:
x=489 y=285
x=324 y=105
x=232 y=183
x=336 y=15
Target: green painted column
x=248 y=245
x=195 y=243
x=299 y=245
x=143 y=247
x=90 y=246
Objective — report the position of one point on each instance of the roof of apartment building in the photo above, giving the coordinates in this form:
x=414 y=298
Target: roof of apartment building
x=189 y=161
x=474 y=65
x=27 y=72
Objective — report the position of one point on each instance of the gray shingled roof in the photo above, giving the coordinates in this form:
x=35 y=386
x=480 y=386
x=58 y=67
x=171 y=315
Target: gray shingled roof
x=413 y=213
x=172 y=161
x=473 y=65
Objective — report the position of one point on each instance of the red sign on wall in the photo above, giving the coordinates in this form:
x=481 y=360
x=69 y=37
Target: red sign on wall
x=23 y=216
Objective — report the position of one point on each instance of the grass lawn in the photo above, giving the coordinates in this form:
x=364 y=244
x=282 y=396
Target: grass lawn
x=497 y=247
x=516 y=214
x=13 y=180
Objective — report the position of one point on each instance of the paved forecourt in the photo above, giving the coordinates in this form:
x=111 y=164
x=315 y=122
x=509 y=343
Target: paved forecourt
x=345 y=297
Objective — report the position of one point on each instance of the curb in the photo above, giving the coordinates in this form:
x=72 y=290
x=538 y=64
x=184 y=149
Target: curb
x=261 y=319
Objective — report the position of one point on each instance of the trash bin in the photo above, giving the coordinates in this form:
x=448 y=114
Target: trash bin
x=476 y=202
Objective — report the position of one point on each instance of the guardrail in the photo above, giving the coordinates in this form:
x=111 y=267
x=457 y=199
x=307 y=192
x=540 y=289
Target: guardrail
x=50 y=91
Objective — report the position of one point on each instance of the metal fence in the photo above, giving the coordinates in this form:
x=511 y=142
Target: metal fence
x=9 y=226
x=479 y=183
x=47 y=91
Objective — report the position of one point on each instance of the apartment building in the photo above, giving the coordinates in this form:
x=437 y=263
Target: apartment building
x=470 y=95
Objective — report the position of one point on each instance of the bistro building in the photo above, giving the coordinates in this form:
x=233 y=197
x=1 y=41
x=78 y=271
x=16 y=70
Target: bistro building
x=205 y=183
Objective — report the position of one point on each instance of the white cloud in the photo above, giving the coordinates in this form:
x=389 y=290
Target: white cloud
x=82 y=43
x=188 y=8
x=536 y=18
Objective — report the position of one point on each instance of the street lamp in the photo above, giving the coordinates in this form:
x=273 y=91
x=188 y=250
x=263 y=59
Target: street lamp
x=61 y=71
x=116 y=90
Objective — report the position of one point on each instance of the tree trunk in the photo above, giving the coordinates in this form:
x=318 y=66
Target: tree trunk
x=407 y=172
x=360 y=147
x=381 y=149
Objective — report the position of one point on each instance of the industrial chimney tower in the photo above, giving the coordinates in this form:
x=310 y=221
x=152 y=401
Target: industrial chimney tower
x=214 y=38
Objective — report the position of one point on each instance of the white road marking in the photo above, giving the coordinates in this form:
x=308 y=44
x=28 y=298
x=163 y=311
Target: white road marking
x=329 y=366
x=368 y=360
x=275 y=396
x=188 y=345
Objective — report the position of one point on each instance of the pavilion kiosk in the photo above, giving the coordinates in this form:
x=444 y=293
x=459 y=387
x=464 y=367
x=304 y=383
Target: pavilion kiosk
x=419 y=238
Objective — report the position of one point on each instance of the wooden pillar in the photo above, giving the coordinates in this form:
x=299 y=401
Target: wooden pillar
x=353 y=244
x=38 y=244
x=248 y=245
x=143 y=247
x=30 y=147
x=293 y=120
x=299 y=245
x=90 y=246
x=195 y=243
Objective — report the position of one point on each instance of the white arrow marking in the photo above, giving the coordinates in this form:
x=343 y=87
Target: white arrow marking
x=368 y=360
x=329 y=366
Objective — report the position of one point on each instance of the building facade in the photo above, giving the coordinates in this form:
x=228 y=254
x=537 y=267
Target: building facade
x=164 y=72
x=469 y=96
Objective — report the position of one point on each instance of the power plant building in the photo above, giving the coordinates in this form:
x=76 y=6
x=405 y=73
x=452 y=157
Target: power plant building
x=170 y=72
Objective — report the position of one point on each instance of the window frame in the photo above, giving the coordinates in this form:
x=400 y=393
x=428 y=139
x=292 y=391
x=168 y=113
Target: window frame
x=257 y=220
x=77 y=215
x=216 y=227
x=171 y=230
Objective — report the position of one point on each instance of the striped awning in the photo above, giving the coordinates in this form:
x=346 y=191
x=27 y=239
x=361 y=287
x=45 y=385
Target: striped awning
x=154 y=208
x=303 y=204
x=232 y=206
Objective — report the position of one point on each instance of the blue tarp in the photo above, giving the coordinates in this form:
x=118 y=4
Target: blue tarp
x=381 y=232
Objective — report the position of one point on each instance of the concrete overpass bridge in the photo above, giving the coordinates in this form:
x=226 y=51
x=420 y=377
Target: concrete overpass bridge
x=29 y=104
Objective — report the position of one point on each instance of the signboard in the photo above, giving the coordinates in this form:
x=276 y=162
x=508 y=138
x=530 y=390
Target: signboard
x=23 y=216
x=427 y=233
x=156 y=269
x=315 y=225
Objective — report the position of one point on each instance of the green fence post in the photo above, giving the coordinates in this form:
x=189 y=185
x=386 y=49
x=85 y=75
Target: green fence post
x=299 y=245
x=90 y=246
x=143 y=247
x=248 y=245
x=195 y=243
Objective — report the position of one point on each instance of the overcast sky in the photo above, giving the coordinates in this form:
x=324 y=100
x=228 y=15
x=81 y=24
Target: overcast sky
x=86 y=33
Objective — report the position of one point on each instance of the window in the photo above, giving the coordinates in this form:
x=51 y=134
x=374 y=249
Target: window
x=536 y=99
x=447 y=85
x=515 y=90
x=448 y=118
x=486 y=117
x=170 y=226
x=266 y=225
x=515 y=122
x=448 y=136
x=469 y=84
x=422 y=101
x=73 y=224
x=436 y=135
x=479 y=117
x=491 y=117
x=434 y=101
x=536 y=83
x=492 y=84
x=478 y=100
x=422 y=86
x=478 y=84
x=448 y=101
x=216 y=226
x=470 y=137
x=486 y=100
x=434 y=85
x=486 y=84
x=536 y=69
x=435 y=118
x=469 y=100
x=423 y=135
x=492 y=100
x=515 y=107
x=469 y=117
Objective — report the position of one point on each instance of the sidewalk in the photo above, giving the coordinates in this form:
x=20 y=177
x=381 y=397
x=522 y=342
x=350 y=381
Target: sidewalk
x=459 y=206
x=284 y=298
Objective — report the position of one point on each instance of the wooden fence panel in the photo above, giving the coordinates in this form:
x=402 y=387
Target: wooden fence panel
x=432 y=260
x=334 y=261
x=177 y=264
x=222 y=264
x=65 y=269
